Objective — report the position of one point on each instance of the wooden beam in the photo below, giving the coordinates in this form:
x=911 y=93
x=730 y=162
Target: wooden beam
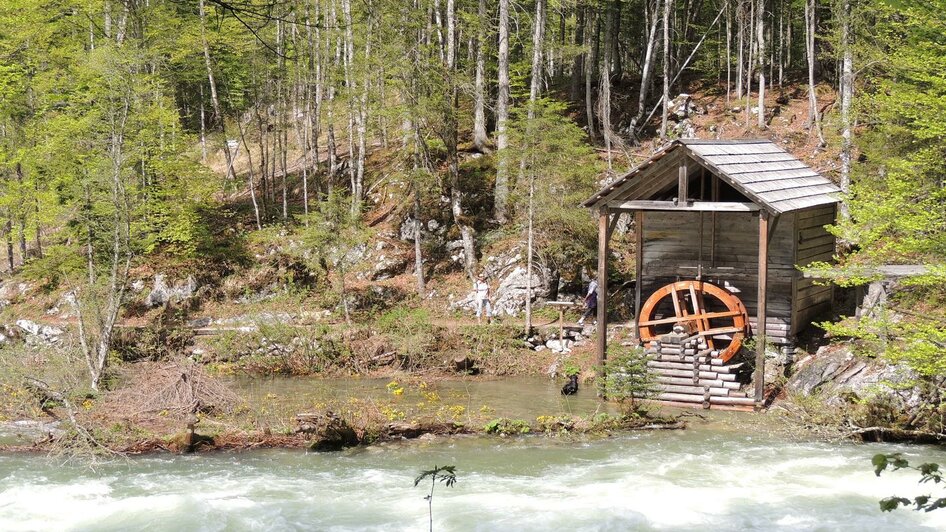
x=694 y=206
x=682 y=183
x=639 y=268
x=615 y=218
x=701 y=316
x=773 y=224
x=760 y=319
x=602 y=344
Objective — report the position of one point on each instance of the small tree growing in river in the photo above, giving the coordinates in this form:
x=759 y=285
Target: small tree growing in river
x=444 y=474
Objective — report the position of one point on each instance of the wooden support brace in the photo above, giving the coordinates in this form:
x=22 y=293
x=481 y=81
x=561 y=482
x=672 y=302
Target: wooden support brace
x=638 y=269
x=602 y=343
x=761 y=318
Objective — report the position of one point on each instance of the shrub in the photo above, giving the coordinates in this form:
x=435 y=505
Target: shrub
x=626 y=377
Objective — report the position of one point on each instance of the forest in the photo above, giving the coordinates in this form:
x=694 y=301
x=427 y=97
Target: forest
x=195 y=136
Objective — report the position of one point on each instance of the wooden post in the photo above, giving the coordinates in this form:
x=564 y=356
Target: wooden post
x=602 y=285
x=682 y=183
x=561 y=326
x=760 y=319
x=638 y=268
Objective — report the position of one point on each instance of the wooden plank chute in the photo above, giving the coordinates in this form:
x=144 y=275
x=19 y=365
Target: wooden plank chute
x=727 y=328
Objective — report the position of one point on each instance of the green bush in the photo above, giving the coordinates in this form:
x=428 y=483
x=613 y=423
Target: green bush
x=627 y=378
x=507 y=426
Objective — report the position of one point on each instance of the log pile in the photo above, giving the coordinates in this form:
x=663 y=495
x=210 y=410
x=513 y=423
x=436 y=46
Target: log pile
x=688 y=371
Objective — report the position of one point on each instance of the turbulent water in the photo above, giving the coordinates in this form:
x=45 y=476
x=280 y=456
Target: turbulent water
x=703 y=478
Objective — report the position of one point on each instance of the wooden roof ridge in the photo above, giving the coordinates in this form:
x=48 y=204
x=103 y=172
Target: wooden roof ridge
x=765 y=180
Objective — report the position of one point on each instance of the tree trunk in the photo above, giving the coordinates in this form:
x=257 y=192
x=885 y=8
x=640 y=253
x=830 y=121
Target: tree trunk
x=604 y=97
x=740 y=43
x=666 y=66
x=645 y=70
x=814 y=117
x=451 y=134
x=538 y=38
x=847 y=95
x=480 y=139
x=728 y=52
x=579 y=61
x=214 y=100
x=591 y=63
x=501 y=195
x=418 y=248
x=8 y=229
x=250 y=184
x=760 y=34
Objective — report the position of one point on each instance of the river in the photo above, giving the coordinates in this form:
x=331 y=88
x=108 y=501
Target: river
x=732 y=471
x=704 y=478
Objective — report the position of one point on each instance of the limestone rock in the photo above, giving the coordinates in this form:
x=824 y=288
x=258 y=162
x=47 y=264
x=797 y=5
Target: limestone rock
x=163 y=293
x=10 y=291
x=388 y=266
x=560 y=346
x=836 y=373
x=38 y=333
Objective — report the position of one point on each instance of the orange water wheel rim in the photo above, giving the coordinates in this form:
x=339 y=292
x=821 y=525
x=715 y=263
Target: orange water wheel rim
x=699 y=316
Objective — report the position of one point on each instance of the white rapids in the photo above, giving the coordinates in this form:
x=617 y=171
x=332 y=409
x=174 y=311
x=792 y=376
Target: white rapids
x=699 y=479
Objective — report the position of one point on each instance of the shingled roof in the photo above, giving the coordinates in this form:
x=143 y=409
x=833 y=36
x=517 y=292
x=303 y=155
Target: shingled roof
x=765 y=173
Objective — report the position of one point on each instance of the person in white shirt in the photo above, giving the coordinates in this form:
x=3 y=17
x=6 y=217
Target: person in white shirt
x=591 y=302
x=481 y=297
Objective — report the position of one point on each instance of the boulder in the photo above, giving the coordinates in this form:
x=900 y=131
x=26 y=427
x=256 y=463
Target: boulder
x=506 y=274
x=836 y=373
x=432 y=230
x=560 y=346
x=510 y=297
x=456 y=251
x=682 y=106
x=388 y=266
x=163 y=293
x=38 y=333
x=10 y=291
x=464 y=364
x=328 y=431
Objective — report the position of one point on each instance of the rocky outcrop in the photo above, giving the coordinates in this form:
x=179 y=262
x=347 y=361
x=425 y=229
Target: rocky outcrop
x=506 y=273
x=387 y=266
x=838 y=375
x=37 y=333
x=430 y=231
x=11 y=291
x=163 y=293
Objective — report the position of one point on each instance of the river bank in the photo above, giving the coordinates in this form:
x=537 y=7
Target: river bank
x=330 y=414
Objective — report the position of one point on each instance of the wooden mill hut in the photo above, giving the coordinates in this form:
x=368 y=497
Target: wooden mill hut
x=735 y=214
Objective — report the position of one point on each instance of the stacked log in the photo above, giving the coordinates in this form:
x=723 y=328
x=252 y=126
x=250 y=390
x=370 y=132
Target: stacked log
x=688 y=371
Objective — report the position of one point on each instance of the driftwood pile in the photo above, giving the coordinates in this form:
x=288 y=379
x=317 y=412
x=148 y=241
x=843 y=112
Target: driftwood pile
x=177 y=388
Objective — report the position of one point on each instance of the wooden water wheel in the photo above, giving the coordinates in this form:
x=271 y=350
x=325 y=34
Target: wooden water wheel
x=702 y=309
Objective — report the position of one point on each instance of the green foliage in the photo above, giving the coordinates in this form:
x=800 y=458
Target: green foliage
x=507 y=426
x=443 y=474
x=559 y=162
x=626 y=377
x=280 y=349
x=929 y=473
x=897 y=193
x=571 y=368
x=411 y=333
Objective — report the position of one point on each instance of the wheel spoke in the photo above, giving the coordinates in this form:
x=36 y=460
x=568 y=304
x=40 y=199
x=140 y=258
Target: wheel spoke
x=725 y=338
